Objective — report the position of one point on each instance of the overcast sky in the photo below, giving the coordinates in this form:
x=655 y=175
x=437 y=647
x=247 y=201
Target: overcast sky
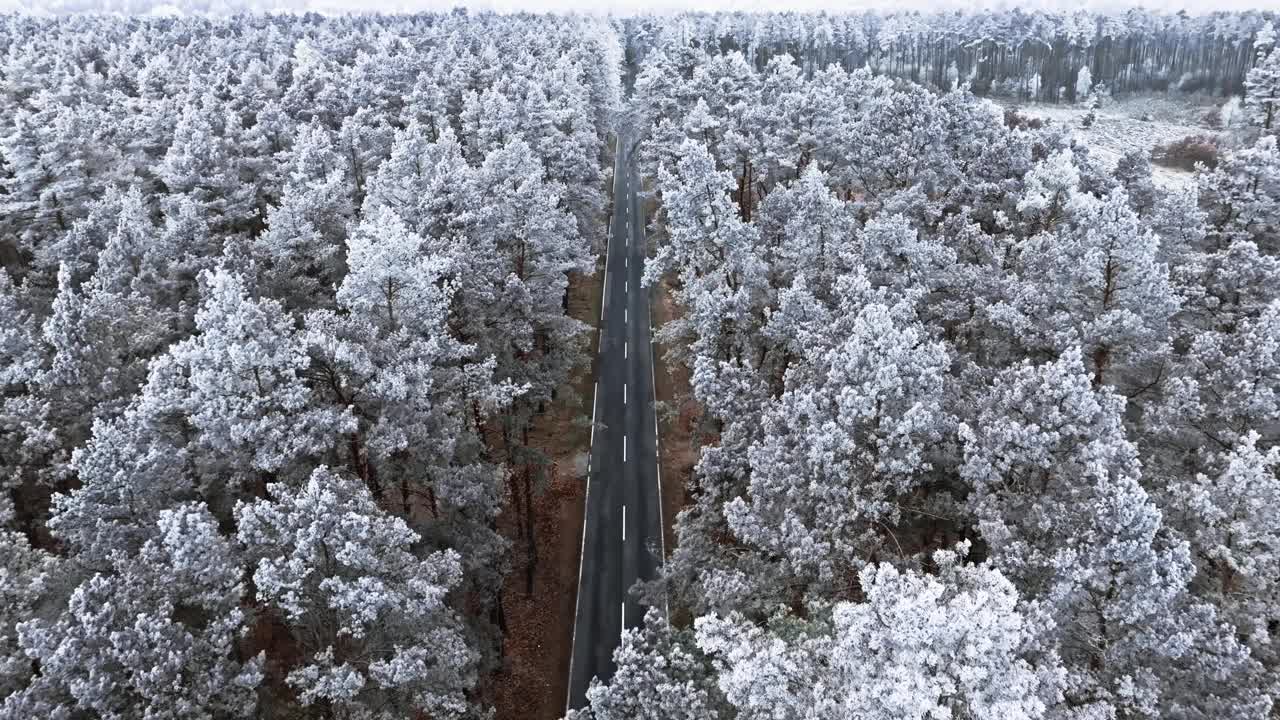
x=628 y=6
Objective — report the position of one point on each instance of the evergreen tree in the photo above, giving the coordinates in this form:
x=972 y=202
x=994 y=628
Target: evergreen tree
x=375 y=634
x=918 y=646
x=1053 y=478
x=1262 y=93
x=155 y=636
x=661 y=675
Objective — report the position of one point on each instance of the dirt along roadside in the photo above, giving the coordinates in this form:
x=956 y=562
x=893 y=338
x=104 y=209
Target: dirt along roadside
x=677 y=416
x=678 y=412
x=534 y=678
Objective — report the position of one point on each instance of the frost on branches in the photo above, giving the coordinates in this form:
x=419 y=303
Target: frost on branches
x=281 y=301
x=377 y=636
x=911 y=322
x=986 y=425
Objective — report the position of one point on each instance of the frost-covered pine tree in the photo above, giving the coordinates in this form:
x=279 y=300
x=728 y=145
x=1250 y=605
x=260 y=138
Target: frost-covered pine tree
x=889 y=143
x=198 y=166
x=298 y=257
x=59 y=155
x=1224 y=384
x=716 y=254
x=956 y=644
x=20 y=356
x=810 y=231
x=1056 y=494
x=845 y=444
x=519 y=248
x=1262 y=92
x=661 y=675
x=1242 y=194
x=1225 y=515
x=240 y=385
x=425 y=181
x=156 y=634
x=1134 y=173
x=418 y=395
x=367 y=609
x=31 y=578
x=1096 y=282
x=1084 y=83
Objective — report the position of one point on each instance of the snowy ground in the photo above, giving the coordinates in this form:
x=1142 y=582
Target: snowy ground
x=1120 y=128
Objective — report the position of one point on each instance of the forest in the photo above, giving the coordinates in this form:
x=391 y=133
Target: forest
x=1030 y=55
x=984 y=425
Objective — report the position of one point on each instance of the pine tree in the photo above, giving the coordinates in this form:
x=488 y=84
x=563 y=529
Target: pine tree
x=198 y=165
x=425 y=181
x=955 y=645
x=369 y=615
x=1096 y=282
x=414 y=389
x=58 y=156
x=1084 y=84
x=1234 y=538
x=845 y=444
x=1242 y=195
x=298 y=258
x=1134 y=173
x=1221 y=390
x=155 y=636
x=811 y=231
x=31 y=578
x=661 y=675
x=20 y=356
x=1262 y=93
x=1056 y=494
x=239 y=384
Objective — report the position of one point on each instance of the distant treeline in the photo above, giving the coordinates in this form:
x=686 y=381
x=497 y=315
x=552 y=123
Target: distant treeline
x=1029 y=55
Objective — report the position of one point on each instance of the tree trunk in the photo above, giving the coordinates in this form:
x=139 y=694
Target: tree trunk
x=531 y=549
x=498 y=617
x=361 y=466
x=1101 y=359
x=431 y=503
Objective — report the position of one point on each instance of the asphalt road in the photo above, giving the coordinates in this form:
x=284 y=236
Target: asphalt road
x=621 y=535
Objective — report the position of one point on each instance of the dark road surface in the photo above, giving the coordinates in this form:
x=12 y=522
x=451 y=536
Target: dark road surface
x=621 y=540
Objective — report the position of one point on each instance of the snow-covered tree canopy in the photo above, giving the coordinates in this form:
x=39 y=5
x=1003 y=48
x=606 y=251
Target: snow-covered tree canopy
x=1037 y=54
x=280 y=297
x=917 y=330
x=987 y=424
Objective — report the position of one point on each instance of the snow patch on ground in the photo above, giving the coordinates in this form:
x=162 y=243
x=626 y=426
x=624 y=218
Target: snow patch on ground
x=1120 y=127
x=580 y=464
